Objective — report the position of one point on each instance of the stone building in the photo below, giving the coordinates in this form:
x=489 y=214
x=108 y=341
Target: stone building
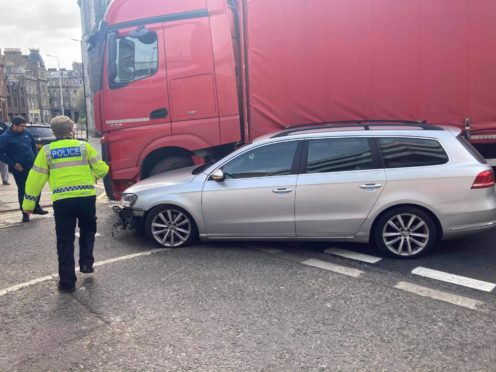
x=92 y=12
x=72 y=91
x=27 y=92
x=3 y=91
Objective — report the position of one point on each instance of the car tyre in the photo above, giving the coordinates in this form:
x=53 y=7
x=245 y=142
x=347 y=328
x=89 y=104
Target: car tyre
x=170 y=227
x=171 y=163
x=405 y=232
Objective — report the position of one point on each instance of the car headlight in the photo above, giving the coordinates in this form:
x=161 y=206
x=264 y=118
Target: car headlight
x=128 y=200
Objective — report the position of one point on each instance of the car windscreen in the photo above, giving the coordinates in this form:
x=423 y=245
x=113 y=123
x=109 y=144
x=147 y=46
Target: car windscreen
x=41 y=131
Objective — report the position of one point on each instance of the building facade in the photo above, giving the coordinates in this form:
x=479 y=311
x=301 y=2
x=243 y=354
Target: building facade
x=92 y=12
x=72 y=91
x=26 y=83
x=3 y=90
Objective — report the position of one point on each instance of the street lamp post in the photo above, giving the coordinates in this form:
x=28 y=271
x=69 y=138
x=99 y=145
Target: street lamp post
x=60 y=83
x=84 y=85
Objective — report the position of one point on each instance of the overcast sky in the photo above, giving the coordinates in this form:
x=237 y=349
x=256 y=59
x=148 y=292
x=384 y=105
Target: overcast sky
x=48 y=25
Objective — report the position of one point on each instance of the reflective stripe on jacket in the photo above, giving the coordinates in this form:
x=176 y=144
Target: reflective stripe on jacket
x=70 y=166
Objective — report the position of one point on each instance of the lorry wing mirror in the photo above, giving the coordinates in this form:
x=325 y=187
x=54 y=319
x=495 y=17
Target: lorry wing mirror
x=112 y=56
x=218 y=175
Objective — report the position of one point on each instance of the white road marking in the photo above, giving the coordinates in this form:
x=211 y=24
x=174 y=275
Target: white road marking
x=18 y=287
x=353 y=255
x=333 y=267
x=96 y=235
x=439 y=295
x=454 y=279
x=270 y=250
x=99 y=186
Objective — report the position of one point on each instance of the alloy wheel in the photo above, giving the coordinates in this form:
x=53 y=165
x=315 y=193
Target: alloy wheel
x=171 y=228
x=406 y=234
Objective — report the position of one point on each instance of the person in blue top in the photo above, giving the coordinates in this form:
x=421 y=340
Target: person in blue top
x=18 y=151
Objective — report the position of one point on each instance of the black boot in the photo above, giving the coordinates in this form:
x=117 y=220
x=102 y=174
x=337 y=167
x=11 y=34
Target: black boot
x=25 y=217
x=40 y=211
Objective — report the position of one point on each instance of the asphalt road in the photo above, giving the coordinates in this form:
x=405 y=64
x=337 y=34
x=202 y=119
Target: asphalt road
x=242 y=306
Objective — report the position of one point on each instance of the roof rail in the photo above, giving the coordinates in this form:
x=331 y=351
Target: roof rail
x=365 y=124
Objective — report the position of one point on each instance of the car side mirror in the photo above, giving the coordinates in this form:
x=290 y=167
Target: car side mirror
x=218 y=175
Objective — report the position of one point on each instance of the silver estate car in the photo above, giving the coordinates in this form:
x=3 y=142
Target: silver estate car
x=402 y=187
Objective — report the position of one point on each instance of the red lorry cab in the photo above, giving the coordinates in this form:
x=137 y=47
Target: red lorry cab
x=184 y=80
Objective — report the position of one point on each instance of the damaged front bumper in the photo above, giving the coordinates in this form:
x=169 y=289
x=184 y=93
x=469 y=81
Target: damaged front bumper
x=128 y=219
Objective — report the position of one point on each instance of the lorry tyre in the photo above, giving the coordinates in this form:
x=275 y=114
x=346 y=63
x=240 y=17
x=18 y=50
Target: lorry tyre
x=171 y=163
x=405 y=232
x=170 y=227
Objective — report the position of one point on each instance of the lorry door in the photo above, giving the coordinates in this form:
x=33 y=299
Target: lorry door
x=256 y=198
x=341 y=184
x=135 y=83
x=191 y=81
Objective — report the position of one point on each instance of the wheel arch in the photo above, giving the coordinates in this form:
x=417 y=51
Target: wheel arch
x=435 y=219
x=155 y=156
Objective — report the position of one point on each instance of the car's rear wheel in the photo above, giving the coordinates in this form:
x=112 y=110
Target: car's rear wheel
x=170 y=227
x=405 y=232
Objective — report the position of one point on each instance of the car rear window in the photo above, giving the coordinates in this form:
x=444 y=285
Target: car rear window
x=399 y=152
x=471 y=149
x=40 y=131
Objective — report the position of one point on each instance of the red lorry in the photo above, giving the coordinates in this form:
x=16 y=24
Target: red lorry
x=187 y=80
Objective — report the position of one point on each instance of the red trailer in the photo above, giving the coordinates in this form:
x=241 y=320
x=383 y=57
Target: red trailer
x=184 y=80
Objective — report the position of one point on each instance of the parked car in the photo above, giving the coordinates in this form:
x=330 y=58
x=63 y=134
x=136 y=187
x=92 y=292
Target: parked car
x=402 y=187
x=42 y=134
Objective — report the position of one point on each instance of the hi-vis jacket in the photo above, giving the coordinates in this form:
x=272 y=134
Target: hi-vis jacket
x=70 y=166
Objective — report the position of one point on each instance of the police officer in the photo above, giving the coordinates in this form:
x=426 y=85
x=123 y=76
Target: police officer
x=70 y=166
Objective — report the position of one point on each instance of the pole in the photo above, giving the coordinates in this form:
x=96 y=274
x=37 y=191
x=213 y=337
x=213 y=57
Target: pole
x=84 y=86
x=60 y=84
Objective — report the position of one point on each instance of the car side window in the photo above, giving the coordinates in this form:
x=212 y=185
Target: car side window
x=338 y=155
x=411 y=152
x=271 y=160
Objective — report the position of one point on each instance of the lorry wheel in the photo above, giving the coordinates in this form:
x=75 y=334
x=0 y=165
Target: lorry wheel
x=405 y=232
x=170 y=227
x=174 y=162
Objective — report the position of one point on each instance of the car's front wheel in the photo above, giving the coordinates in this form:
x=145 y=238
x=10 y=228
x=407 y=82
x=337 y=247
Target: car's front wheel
x=405 y=232
x=170 y=227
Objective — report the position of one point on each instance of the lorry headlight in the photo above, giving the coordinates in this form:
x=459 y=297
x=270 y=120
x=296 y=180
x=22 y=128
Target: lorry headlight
x=128 y=200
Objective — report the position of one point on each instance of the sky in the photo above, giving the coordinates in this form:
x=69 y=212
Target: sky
x=48 y=25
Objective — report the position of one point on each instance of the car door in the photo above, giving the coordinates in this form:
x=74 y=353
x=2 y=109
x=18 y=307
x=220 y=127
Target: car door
x=257 y=196
x=341 y=184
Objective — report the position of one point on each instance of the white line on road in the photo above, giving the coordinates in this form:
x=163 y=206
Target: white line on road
x=79 y=235
x=333 y=267
x=353 y=255
x=454 y=279
x=439 y=295
x=270 y=250
x=17 y=287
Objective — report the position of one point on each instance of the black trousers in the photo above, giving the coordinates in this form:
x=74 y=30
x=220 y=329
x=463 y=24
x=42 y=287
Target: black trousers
x=20 y=180
x=67 y=212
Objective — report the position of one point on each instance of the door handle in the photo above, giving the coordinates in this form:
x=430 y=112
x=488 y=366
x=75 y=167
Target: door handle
x=282 y=190
x=159 y=114
x=371 y=186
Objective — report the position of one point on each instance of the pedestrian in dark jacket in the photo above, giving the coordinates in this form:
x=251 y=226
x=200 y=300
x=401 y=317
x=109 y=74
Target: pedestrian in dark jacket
x=18 y=151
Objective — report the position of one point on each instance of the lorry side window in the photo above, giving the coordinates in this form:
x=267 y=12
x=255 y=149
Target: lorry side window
x=136 y=59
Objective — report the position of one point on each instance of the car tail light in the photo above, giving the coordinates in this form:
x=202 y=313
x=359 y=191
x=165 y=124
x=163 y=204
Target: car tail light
x=484 y=179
